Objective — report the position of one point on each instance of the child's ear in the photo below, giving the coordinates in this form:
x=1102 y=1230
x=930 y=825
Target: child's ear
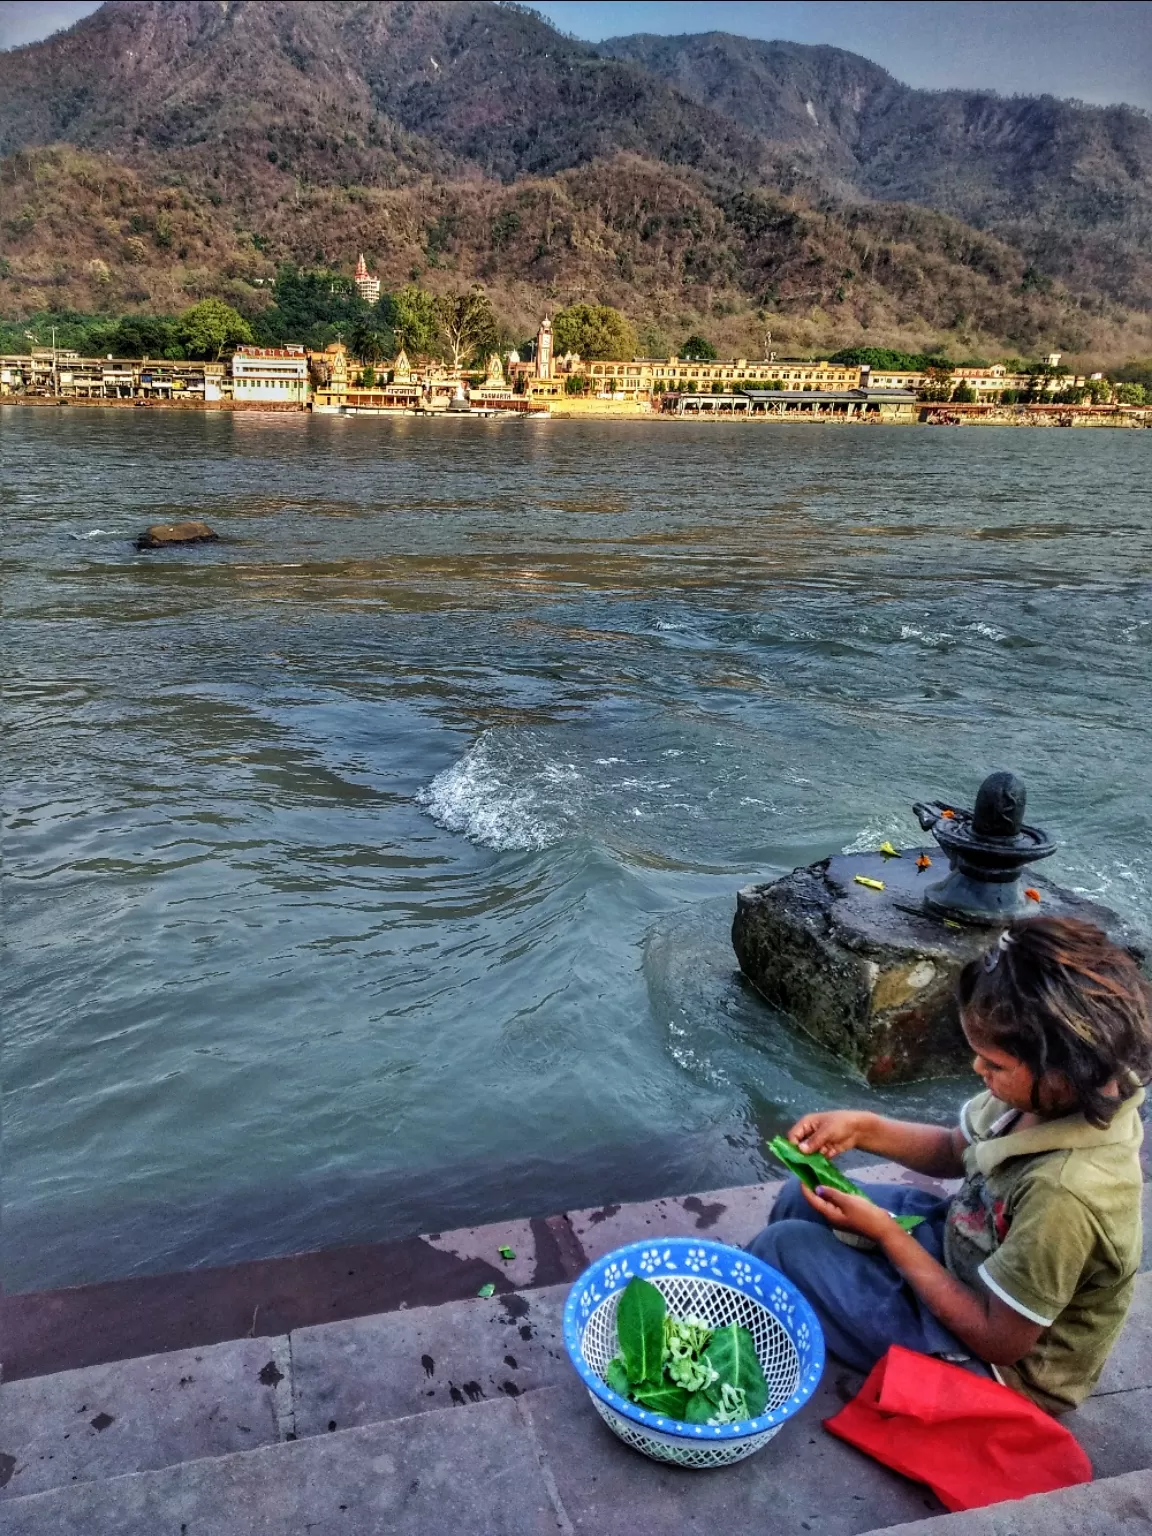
x=1057 y=1094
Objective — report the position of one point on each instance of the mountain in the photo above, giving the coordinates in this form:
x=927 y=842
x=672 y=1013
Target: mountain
x=1067 y=183
x=163 y=149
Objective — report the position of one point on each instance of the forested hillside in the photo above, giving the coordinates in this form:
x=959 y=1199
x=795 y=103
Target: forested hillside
x=160 y=152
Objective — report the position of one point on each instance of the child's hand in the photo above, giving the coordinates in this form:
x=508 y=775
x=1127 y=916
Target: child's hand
x=832 y=1131
x=851 y=1213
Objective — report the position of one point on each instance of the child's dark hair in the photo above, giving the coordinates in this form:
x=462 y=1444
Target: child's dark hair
x=1058 y=995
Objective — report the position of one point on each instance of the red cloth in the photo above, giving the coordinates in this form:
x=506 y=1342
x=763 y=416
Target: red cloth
x=973 y=1441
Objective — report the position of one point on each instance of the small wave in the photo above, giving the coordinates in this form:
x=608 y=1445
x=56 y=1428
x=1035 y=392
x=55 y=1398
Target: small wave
x=95 y=533
x=925 y=637
x=892 y=830
x=497 y=797
x=989 y=631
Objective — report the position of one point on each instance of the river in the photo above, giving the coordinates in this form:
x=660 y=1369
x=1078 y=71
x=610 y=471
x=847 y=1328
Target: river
x=370 y=871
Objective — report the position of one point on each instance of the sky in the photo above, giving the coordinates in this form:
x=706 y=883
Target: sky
x=1097 y=50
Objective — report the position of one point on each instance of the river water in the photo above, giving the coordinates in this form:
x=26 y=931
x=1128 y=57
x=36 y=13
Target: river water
x=370 y=871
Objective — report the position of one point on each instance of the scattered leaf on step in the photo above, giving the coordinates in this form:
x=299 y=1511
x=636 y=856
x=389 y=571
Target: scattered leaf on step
x=507 y=1253
x=889 y=852
x=873 y=885
x=487 y=1290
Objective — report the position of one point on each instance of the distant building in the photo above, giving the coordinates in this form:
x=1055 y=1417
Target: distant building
x=270 y=375
x=544 y=349
x=367 y=286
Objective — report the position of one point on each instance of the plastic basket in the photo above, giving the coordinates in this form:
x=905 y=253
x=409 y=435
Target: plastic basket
x=719 y=1285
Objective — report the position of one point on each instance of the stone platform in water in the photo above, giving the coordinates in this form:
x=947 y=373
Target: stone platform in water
x=865 y=972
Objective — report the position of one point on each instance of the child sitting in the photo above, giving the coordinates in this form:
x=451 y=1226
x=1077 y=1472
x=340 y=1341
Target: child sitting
x=1030 y=1267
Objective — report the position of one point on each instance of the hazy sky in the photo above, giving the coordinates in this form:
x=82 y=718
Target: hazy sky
x=1097 y=50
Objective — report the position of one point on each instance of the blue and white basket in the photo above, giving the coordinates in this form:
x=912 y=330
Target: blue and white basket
x=718 y=1285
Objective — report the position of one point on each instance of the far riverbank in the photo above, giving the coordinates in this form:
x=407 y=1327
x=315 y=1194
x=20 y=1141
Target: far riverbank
x=925 y=414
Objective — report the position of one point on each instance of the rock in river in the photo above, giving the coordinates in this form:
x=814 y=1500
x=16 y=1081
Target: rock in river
x=864 y=970
x=159 y=535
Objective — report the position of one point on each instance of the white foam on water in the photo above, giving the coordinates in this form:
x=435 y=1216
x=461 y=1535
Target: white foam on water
x=893 y=830
x=497 y=796
x=95 y=533
x=989 y=631
x=925 y=637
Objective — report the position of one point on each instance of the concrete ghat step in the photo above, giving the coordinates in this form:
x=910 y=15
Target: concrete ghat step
x=159 y=1410
x=526 y=1466
x=1118 y=1506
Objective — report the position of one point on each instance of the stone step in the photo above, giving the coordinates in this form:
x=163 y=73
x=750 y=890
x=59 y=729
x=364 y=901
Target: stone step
x=543 y=1463
x=141 y=1415
x=346 y=1434
x=525 y=1466
x=1117 y=1506
x=159 y=1410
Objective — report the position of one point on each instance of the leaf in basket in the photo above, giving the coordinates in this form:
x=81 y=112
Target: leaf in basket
x=640 y=1328
x=698 y=1409
x=733 y=1355
x=617 y=1376
x=670 y=1401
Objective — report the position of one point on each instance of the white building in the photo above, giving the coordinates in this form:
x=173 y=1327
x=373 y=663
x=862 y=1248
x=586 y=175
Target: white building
x=367 y=286
x=270 y=375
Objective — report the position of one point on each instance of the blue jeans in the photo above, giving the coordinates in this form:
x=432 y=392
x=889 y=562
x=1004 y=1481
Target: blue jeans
x=863 y=1304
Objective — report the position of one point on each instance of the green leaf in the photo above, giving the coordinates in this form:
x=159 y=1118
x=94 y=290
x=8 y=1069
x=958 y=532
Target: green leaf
x=617 y=1376
x=640 y=1328
x=733 y=1355
x=487 y=1290
x=812 y=1168
x=670 y=1401
x=698 y=1409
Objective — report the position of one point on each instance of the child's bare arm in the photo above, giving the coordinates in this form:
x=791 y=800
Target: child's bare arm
x=990 y=1329
x=930 y=1149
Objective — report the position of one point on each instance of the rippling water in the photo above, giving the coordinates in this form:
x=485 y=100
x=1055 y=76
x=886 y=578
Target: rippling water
x=370 y=871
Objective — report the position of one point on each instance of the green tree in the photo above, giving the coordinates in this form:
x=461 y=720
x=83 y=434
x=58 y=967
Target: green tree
x=1131 y=394
x=594 y=331
x=938 y=385
x=368 y=377
x=144 y=336
x=416 y=320
x=366 y=342
x=211 y=328
x=698 y=349
x=963 y=394
x=468 y=324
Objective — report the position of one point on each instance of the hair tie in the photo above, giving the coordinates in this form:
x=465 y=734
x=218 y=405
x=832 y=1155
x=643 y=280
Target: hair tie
x=1001 y=947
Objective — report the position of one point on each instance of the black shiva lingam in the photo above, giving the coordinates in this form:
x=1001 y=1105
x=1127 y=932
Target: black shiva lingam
x=987 y=849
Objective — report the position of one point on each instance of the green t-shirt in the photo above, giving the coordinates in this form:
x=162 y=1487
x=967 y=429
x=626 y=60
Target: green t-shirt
x=1048 y=1220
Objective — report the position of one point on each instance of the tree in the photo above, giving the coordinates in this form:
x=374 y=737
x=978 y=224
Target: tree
x=144 y=336
x=416 y=320
x=698 y=350
x=467 y=323
x=594 y=331
x=938 y=385
x=963 y=394
x=211 y=328
x=1131 y=394
x=367 y=343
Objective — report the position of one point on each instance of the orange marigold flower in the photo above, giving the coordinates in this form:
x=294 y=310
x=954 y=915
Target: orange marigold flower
x=1032 y=893
x=948 y=815
x=923 y=862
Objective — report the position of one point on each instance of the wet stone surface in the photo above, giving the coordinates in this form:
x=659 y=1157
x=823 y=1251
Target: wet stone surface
x=866 y=973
